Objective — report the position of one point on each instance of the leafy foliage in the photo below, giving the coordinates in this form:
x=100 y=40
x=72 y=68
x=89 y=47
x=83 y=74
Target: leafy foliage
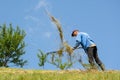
x=42 y=58
x=11 y=46
x=57 y=61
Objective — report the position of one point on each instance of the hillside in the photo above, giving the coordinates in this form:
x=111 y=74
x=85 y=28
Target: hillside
x=20 y=74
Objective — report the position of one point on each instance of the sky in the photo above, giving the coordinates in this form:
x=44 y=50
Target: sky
x=99 y=18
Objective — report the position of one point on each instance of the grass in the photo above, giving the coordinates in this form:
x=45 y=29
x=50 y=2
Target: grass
x=20 y=74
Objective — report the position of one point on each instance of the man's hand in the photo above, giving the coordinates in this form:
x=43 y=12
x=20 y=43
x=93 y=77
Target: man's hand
x=73 y=48
x=76 y=48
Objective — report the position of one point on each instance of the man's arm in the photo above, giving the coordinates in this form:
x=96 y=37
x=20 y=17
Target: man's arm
x=76 y=45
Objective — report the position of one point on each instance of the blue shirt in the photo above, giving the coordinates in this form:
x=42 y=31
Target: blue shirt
x=84 y=39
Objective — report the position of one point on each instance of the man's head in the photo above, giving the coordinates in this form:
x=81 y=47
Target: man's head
x=74 y=33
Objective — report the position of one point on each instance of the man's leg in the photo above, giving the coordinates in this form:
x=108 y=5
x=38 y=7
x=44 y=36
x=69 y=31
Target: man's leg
x=98 y=61
x=90 y=56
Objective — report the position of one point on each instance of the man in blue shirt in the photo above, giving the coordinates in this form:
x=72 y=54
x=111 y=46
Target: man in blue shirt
x=89 y=46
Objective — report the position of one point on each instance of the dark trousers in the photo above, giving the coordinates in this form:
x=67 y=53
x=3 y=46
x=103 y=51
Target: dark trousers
x=93 y=56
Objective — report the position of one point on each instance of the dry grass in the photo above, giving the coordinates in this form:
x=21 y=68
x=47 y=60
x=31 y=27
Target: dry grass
x=21 y=74
x=68 y=48
x=60 y=51
x=65 y=46
x=59 y=27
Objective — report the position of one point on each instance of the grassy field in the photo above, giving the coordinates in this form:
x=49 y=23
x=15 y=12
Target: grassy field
x=20 y=74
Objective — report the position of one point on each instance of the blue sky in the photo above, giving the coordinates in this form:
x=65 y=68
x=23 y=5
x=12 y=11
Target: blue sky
x=99 y=18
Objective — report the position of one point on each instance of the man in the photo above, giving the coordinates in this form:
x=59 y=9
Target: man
x=89 y=46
